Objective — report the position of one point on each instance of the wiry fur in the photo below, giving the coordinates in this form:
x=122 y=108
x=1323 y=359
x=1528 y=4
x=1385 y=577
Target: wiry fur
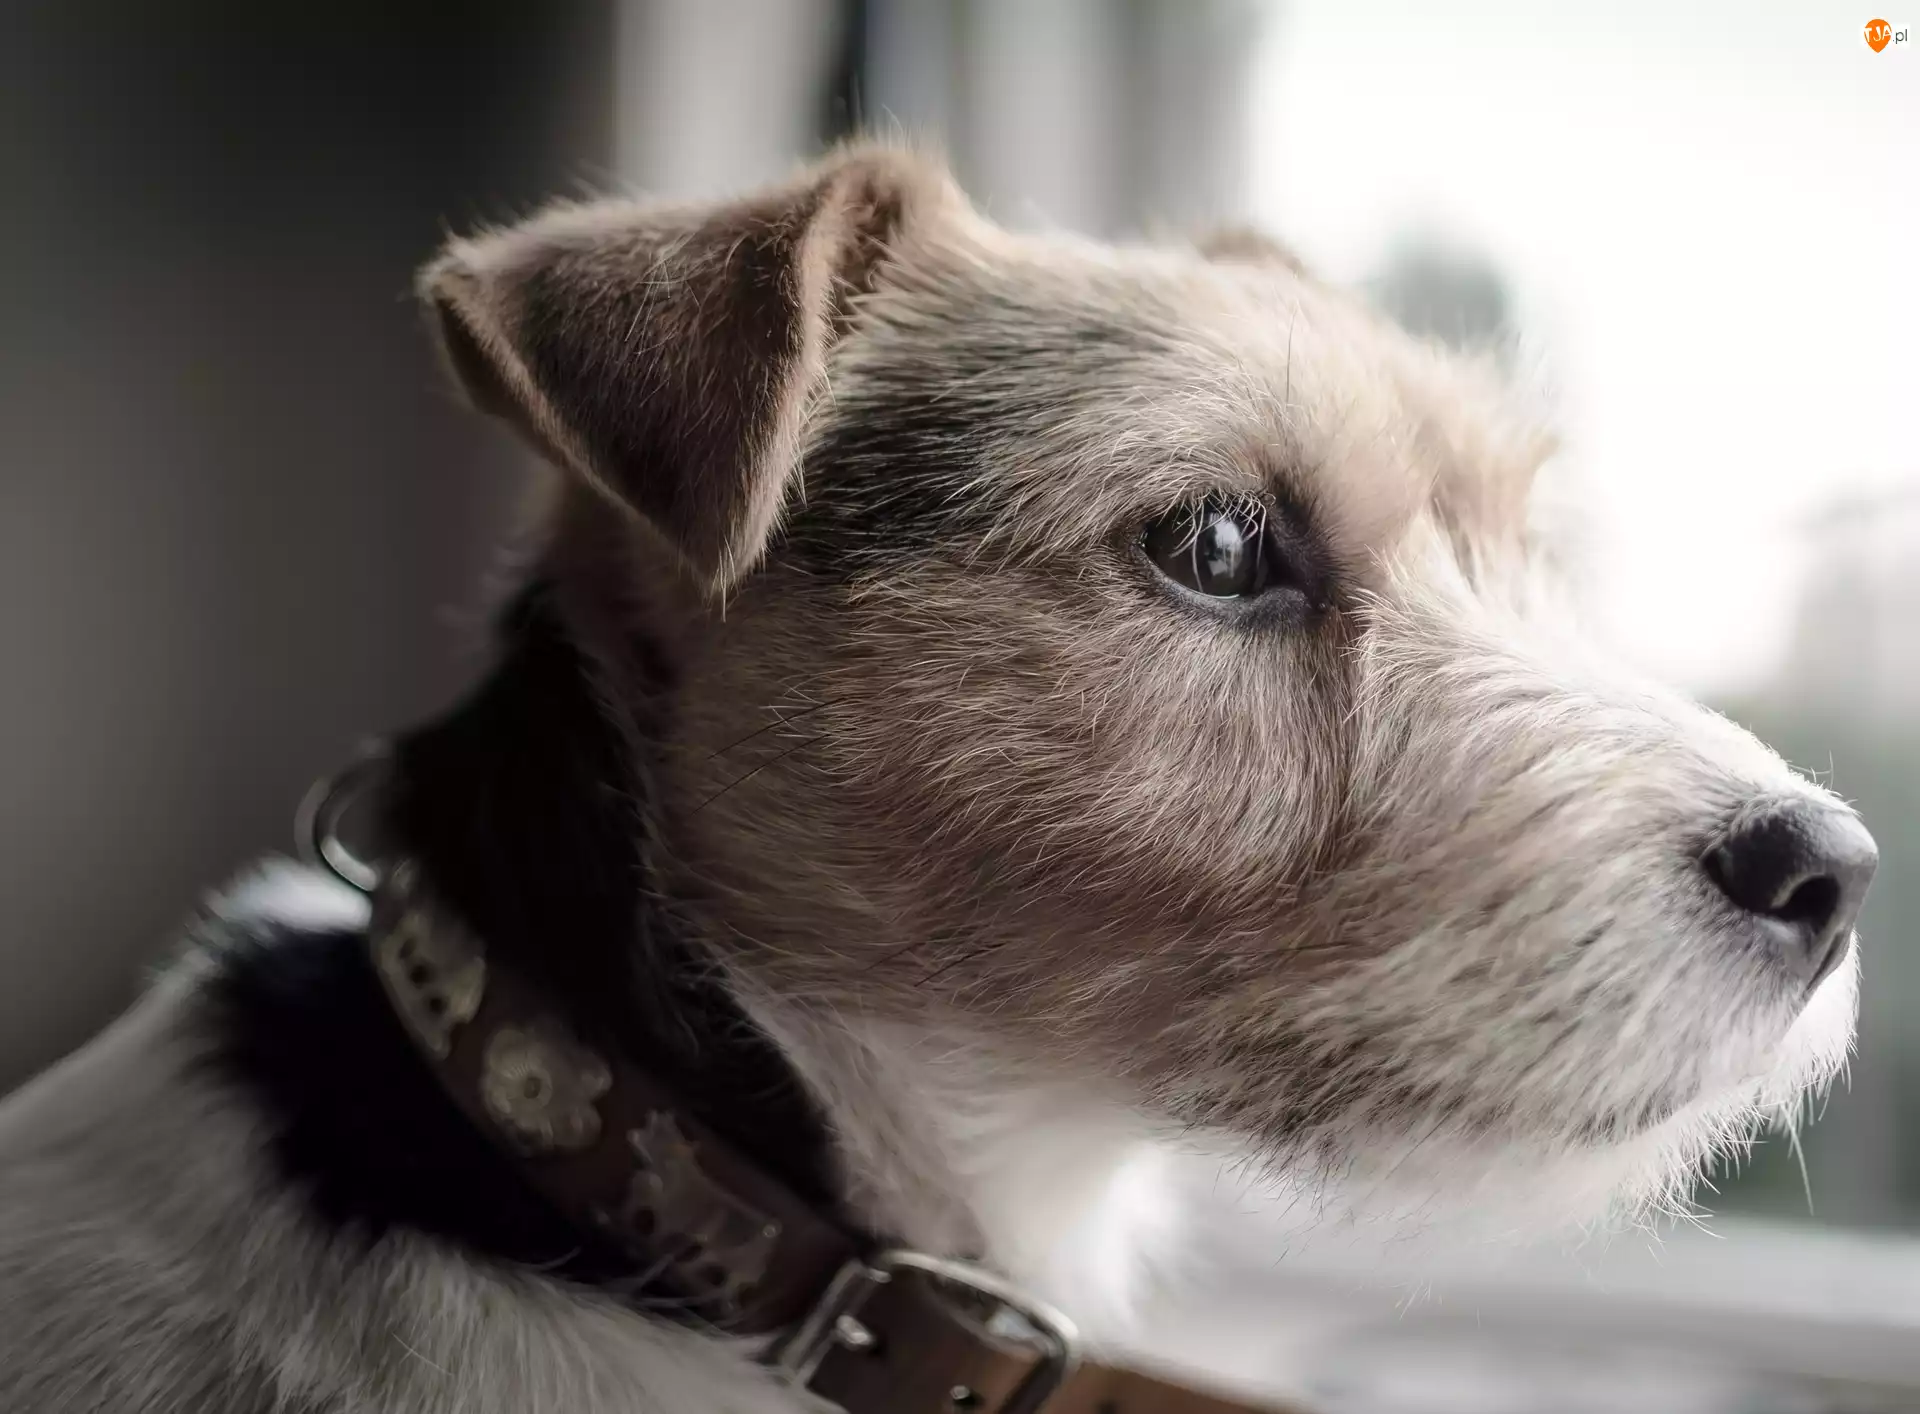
x=151 y=1263
x=1053 y=886
x=1411 y=886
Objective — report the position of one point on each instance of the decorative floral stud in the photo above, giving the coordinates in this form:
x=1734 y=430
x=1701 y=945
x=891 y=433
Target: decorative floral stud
x=718 y=1246
x=540 y=1085
x=436 y=984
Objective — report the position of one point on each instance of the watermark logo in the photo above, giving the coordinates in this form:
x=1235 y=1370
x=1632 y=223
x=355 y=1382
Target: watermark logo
x=1879 y=34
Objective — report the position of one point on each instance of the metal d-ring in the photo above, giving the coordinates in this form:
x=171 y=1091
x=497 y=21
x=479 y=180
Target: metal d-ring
x=316 y=823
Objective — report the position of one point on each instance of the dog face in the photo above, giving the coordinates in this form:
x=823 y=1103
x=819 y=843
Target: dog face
x=1146 y=662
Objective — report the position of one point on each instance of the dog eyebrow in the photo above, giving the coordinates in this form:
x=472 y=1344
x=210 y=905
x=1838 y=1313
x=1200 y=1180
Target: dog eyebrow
x=883 y=492
x=968 y=428
x=1013 y=419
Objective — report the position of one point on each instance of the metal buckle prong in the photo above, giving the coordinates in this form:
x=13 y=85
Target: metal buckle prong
x=835 y=1320
x=830 y=1322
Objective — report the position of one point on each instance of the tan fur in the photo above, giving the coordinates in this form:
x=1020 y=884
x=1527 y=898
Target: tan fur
x=1074 y=901
x=948 y=758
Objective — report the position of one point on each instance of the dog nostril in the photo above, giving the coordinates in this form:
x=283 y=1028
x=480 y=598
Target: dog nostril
x=1813 y=902
x=1802 y=867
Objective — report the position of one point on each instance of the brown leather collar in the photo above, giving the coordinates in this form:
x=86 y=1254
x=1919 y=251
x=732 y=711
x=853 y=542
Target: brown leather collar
x=874 y=1331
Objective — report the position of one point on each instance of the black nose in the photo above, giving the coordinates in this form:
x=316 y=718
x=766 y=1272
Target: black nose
x=1803 y=868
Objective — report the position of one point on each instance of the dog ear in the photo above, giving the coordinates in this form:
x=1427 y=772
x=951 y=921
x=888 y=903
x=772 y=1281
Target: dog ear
x=1247 y=245
x=669 y=355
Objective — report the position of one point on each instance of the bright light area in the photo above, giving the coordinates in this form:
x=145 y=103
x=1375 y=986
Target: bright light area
x=1709 y=216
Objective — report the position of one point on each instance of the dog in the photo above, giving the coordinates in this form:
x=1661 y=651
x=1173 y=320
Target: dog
x=998 y=724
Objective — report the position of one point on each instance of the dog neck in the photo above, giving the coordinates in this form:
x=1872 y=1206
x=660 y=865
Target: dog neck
x=527 y=811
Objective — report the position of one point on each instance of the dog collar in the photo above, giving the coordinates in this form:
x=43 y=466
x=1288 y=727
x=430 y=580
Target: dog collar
x=709 y=1234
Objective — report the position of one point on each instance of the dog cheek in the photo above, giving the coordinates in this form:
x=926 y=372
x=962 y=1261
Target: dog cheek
x=1102 y=806
x=1104 y=755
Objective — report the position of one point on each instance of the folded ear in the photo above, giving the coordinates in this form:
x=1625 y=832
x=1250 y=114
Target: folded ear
x=669 y=355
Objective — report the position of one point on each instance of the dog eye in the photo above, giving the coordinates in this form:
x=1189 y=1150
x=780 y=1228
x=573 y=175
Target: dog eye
x=1213 y=549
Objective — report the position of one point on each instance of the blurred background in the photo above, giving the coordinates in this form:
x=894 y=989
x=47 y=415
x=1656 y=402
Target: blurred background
x=244 y=527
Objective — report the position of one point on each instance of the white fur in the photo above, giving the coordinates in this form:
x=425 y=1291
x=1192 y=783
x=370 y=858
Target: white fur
x=1059 y=1183
x=282 y=891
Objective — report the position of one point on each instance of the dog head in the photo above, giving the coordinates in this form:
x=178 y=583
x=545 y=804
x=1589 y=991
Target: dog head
x=1145 y=664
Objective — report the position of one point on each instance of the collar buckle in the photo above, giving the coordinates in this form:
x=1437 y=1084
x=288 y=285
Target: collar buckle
x=838 y=1324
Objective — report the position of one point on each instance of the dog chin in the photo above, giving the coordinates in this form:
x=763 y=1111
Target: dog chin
x=1433 y=1195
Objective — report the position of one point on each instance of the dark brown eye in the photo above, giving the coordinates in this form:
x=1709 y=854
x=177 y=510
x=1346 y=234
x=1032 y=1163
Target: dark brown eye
x=1213 y=549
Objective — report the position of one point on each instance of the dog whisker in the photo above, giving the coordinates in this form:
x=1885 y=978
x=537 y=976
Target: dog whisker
x=784 y=719
x=749 y=775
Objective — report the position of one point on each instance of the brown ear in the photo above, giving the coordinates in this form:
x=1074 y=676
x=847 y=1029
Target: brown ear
x=669 y=355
